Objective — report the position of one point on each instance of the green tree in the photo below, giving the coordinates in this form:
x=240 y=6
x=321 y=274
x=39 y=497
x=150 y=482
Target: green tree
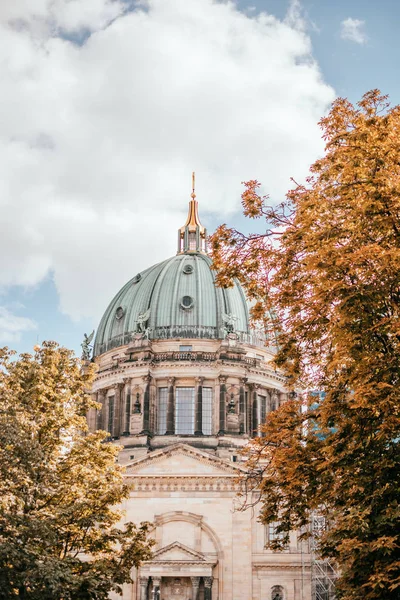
x=59 y=486
x=325 y=277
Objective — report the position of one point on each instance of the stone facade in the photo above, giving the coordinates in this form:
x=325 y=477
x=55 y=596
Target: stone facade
x=186 y=483
x=184 y=382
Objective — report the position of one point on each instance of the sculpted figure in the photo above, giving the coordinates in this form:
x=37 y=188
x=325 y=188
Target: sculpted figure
x=86 y=346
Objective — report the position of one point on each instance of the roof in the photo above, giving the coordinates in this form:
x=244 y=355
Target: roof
x=176 y=298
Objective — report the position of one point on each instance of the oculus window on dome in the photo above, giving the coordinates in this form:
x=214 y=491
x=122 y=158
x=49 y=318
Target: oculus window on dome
x=187 y=302
x=181 y=294
x=187 y=269
x=119 y=313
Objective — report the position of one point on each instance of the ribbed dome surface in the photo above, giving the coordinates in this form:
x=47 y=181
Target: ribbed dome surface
x=179 y=299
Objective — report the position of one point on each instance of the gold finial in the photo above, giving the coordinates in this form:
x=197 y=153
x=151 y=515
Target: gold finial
x=193 y=194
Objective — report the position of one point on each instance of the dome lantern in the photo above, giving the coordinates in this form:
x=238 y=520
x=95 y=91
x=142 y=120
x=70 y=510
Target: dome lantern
x=192 y=237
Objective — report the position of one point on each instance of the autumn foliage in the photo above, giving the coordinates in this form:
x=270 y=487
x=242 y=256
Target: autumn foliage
x=325 y=277
x=60 y=537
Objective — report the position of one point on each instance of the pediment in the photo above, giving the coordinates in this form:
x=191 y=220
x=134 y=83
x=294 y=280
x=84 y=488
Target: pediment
x=182 y=460
x=177 y=552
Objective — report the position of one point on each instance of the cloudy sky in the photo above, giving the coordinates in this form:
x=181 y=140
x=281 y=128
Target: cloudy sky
x=107 y=106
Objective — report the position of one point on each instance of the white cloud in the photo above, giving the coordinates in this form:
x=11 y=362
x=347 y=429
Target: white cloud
x=98 y=140
x=353 y=30
x=12 y=326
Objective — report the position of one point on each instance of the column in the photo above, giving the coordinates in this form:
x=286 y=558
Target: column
x=207 y=588
x=222 y=405
x=91 y=415
x=195 y=587
x=256 y=421
x=126 y=407
x=250 y=426
x=146 y=405
x=101 y=414
x=143 y=587
x=198 y=425
x=171 y=407
x=156 y=588
x=116 y=432
x=153 y=405
x=242 y=406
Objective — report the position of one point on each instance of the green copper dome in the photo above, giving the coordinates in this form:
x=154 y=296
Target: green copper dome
x=176 y=298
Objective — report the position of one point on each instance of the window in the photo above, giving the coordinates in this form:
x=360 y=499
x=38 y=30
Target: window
x=272 y=534
x=162 y=410
x=192 y=241
x=263 y=409
x=207 y=411
x=277 y=593
x=184 y=410
x=185 y=348
x=187 y=302
x=110 y=414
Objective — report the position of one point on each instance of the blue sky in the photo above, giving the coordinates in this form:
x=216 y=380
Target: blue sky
x=107 y=108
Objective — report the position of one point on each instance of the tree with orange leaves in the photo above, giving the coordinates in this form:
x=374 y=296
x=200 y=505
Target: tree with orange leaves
x=327 y=269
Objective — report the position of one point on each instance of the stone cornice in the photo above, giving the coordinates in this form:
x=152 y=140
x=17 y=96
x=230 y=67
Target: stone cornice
x=177 y=563
x=200 y=483
x=281 y=566
x=245 y=369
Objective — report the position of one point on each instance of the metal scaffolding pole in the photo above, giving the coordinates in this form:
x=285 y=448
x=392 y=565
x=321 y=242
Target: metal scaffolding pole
x=323 y=572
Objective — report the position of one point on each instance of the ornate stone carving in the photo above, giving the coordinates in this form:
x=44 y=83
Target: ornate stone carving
x=136 y=406
x=195 y=587
x=277 y=592
x=185 y=484
x=86 y=346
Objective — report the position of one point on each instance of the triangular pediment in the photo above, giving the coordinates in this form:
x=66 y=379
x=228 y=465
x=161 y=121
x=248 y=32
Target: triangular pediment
x=177 y=552
x=182 y=460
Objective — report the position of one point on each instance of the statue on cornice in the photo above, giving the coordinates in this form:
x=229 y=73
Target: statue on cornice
x=141 y=322
x=86 y=346
x=229 y=322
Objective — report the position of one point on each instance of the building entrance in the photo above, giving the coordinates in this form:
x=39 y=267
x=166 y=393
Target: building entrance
x=176 y=588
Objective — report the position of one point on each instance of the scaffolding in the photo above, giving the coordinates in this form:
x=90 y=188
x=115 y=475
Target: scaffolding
x=323 y=572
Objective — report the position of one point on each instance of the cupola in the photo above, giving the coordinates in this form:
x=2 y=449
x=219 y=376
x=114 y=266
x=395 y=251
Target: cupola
x=192 y=237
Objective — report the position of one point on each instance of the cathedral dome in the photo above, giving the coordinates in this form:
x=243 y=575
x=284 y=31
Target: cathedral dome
x=176 y=298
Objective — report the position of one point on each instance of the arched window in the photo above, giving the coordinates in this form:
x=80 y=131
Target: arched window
x=277 y=593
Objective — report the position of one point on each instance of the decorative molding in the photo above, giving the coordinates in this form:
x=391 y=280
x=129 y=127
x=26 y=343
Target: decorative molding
x=280 y=567
x=201 y=483
x=176 y=563
x=121 y=369
x=198 y=556
x=205 y=458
